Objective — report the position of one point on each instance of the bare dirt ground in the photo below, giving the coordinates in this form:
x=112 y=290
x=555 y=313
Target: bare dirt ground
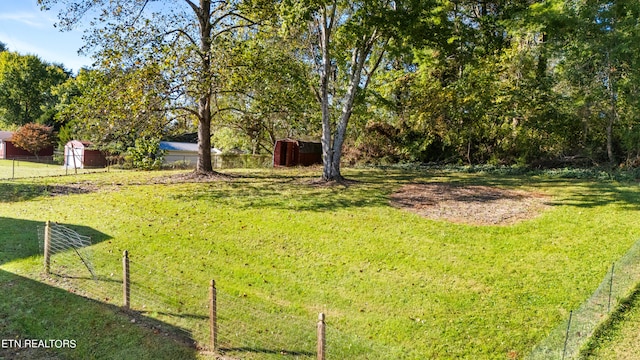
x=192 y=177
x=470 y=204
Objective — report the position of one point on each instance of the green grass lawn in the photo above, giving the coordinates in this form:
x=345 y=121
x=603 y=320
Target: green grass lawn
x=393 y=285
x=620 y=339
x=10 y=169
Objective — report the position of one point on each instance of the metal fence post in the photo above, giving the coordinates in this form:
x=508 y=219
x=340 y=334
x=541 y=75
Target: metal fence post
x=213 y=315
x=566 y=338
x=611 y=287
x=126 y=289
x=47 y=247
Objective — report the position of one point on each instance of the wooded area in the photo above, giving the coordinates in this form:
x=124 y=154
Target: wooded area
x=526 y=82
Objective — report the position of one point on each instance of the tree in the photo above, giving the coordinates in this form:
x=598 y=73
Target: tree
x=117 y=107
x=188 y=41
x=146 y=154
x=600 y=69
x=349 y=41
x=271 y=98
x=346 y=41
x=33 y=137
x=26 y=85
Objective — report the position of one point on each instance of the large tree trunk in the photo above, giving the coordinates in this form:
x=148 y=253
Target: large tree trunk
x=332 y=143
x=204 y=136
x=327 y=146
x=204 y=101
x=358 y=60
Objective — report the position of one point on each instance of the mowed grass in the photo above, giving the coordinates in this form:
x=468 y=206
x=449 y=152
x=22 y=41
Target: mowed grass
x=620 y=339
x=393 y=285
x=10 y=169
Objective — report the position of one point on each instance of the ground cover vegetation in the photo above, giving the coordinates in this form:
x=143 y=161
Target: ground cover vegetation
x=532 y=82
x=283 y=245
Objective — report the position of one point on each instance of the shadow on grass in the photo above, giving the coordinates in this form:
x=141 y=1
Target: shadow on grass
x=586 y=193
x=256 y=193
x=19 y=238
x=605 y=333
x=16 y=192
x=33 y=310
x=282 y=353
x=373 y=188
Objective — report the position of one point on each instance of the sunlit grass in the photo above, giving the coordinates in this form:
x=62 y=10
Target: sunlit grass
x=16 y=169
x=405 y=286
x=619 y=339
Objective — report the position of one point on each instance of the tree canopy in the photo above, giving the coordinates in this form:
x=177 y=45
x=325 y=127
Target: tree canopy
x=189 y=42
x=493 y=81
x=33 y=137
x=26 y=88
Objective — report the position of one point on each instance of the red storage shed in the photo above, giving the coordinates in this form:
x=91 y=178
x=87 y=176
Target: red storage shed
x=9 y=151
x=79 y=154
x=290 y=152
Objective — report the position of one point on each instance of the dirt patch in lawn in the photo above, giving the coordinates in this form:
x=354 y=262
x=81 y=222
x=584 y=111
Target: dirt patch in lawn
x=70 y=189
x=470 y=204
x=192 y=177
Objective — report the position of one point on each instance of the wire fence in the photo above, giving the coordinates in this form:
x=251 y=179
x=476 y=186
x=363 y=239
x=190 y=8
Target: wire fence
x=246 y=326
x=31 y=167
x=569 y=338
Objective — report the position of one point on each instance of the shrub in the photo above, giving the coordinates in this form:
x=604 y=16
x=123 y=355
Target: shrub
x=146 y=155
x=33 y=138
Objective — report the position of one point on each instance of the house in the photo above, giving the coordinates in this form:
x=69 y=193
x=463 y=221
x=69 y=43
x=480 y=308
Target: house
x=186 y=153
x=80 y=154
x=291 y=152
x=10 y=151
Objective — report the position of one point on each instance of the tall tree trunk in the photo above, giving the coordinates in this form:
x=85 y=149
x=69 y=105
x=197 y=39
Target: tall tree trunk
x=357 y=63
x=204 y=101
x=610 y=154
x=204 y=136
x=327 y=145
x=613 y=112
x=541 y=68
x=332 y=143
x=610 y=123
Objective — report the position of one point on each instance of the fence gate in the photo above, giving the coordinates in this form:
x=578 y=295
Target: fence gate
x=67 y=250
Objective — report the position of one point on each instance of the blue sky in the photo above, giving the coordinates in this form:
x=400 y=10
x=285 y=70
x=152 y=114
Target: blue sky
x=27 y=30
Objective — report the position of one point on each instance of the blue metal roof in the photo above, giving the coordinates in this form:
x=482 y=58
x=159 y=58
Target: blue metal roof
x=180 y=146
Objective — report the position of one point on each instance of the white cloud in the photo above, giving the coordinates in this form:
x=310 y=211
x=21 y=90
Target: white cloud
x=32 y=19
x=17 y=45
x=27 y=30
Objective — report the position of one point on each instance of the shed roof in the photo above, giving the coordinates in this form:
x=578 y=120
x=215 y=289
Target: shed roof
x=180 y=146
x=6 y=135
x=78 y=144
